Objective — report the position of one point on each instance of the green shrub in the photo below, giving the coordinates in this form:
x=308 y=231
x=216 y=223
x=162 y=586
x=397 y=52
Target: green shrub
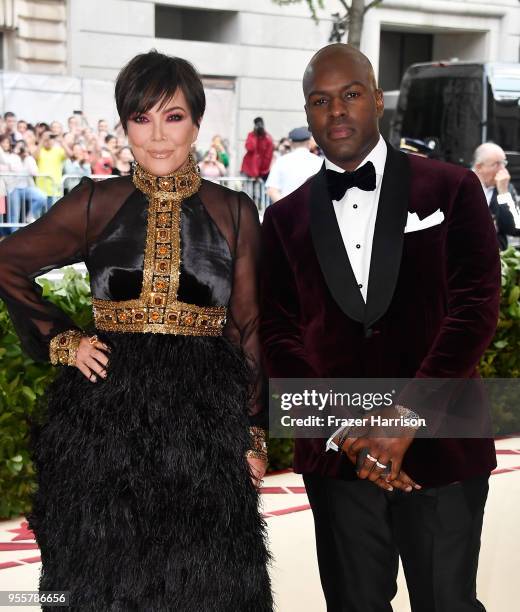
x=280 y=454
x=502 y=359
x=22 y=381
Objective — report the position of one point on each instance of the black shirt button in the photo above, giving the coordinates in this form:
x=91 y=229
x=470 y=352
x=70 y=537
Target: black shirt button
x=358 y=246
x=360 y=286
x=355 y=205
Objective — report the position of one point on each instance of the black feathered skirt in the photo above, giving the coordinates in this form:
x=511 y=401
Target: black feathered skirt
x=144 y=500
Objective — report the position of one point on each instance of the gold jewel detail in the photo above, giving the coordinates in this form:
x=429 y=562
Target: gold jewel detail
x=157 y=309
x=258 y=448
x=64 y=347
x=178 y=318
x=183 y=182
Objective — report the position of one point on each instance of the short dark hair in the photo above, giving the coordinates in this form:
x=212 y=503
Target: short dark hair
x=153 y=78
x=9 y=114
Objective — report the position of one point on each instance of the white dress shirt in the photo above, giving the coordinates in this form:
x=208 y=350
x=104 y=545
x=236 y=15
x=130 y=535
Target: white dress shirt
x=488 y=192
x=356 y=214
x=292 y=170
x=502 y=198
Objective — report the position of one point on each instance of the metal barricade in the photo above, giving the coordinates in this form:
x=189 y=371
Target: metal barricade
x=69 y=181
x=255 y=189
x=24 y=198
x=27 y=198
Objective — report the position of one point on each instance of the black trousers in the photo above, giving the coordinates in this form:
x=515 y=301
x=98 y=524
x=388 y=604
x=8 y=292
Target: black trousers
x=362 y=530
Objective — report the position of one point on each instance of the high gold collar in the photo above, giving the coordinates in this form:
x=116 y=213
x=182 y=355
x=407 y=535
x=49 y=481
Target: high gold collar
x=183 y=182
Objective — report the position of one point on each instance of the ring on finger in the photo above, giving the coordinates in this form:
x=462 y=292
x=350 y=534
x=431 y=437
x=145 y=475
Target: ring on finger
x=373 y=459
x=93 y=339
x=381 y=465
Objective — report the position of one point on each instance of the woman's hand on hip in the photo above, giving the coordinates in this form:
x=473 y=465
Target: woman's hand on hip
x=257 y=469
x=91 y=358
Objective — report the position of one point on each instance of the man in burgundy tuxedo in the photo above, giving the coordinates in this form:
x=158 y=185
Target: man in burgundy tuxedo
x=383 y=265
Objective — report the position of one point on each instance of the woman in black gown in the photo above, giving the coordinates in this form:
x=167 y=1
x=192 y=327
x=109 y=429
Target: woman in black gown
x=151 y=447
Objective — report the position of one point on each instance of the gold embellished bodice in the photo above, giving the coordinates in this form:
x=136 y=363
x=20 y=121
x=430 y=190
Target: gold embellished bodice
x=158 y=309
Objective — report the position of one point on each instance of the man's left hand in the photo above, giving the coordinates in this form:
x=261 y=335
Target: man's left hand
x=382 y=450
x=384 y=445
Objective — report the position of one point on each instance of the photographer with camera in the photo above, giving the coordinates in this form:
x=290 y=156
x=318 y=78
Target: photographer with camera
x=50 y=156
x=259 y=152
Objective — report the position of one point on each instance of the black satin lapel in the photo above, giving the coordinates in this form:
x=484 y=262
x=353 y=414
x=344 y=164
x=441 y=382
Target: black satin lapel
x=387 y=246
x=331 y=252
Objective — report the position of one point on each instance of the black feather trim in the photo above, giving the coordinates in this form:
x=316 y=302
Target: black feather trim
x=144 y=499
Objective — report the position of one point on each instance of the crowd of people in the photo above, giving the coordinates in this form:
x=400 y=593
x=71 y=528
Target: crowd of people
x=282 y=168
x=42 y=161
x=39 y=162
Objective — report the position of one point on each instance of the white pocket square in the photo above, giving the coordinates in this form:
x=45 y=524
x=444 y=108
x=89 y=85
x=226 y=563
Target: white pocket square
x=414 y=224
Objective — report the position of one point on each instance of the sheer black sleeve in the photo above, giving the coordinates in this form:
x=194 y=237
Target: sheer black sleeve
x=243 y=314
x=55 y=240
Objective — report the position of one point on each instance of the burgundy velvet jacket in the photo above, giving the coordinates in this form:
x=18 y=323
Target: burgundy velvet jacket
x=432 y=304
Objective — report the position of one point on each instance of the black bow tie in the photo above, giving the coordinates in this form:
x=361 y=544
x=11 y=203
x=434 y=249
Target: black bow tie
x=362 y=178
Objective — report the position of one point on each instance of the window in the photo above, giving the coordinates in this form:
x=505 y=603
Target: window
x=196 y=24
x=448 y=108
x=504 y=105
x=398 y=51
